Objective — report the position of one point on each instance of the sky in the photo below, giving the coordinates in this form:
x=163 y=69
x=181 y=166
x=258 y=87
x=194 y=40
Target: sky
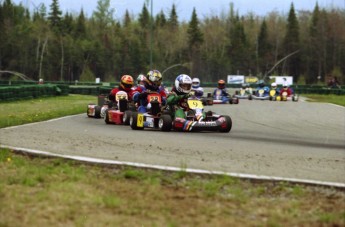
x=184 y=8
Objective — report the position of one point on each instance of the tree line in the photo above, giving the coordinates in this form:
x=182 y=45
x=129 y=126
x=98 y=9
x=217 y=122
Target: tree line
x=54 y=46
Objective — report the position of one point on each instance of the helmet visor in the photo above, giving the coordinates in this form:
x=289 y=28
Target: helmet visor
x=185 y=86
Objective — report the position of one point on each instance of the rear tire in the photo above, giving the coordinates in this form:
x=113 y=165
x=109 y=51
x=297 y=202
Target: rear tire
x=228 y=124
x=165 y=123
x=98 y=111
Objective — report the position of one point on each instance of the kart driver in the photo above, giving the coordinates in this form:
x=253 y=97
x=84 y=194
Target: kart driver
x=177 y=99
x=126 y=84
x=151 y=83
x=198 y=91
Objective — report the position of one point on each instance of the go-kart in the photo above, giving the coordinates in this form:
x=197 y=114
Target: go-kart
x=121 y=113
x=97 y=111
x=284 y=97
x=274 y=95
x=244 y=94
x=218 y=98
x=155 y=117
x=261 y=94
x=197 y=120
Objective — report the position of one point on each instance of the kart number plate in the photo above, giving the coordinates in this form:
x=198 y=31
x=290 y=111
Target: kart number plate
x=140 y=120
x=154 y=97
x=193 y=104
x=273 y=92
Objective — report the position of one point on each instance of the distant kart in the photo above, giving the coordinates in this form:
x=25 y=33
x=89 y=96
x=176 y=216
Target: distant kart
x=121 y=113
x=261 y=95
x=243 y=94
x=220 y=99
x=274 y=95
x=284 y=97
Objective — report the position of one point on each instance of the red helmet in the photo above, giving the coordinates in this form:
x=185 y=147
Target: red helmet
x=221 y=84
x=126 y=82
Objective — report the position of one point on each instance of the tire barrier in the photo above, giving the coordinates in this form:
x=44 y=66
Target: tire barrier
x=14 y=93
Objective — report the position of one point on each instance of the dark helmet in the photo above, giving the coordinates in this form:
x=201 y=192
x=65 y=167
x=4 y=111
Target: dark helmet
x=221 y=84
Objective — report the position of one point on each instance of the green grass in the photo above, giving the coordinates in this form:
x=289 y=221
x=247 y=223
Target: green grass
x=335 y=99
x=34 y=110
x=44 y=191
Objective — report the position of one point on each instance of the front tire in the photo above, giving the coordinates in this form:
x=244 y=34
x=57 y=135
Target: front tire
x=127 y=117
x=228 y=123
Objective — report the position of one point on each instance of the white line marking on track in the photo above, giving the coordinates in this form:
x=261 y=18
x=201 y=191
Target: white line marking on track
x=170 y=168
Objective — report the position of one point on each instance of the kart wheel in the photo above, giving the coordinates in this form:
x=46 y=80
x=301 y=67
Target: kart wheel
x=106 y=117
x=230 y=101
x=165 y=123
x=250 y=97
x=228 y=123
x=271 y=98
x=126 y=117
x=133 y=121
x=98 y=112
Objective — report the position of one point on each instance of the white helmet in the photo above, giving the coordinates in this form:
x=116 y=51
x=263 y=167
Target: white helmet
x=274 y=85
x=183 y=84
x=195 y=83
x=285 y=85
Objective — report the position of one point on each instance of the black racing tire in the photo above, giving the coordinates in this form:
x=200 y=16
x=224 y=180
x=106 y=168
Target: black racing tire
x=106 y=117
x=228 y=124
x=250 y=97
x=127 y=117
x=98 y=111
x=133 y=121
x=165 y=123
x=231 y=101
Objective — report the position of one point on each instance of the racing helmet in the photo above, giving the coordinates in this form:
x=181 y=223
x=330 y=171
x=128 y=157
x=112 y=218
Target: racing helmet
x=126 y=82
x=154 y=78
x=140 y=79
x=195 y=83
x=274 y=85
x=285 y=86
x=221 y=84
x=183 y=84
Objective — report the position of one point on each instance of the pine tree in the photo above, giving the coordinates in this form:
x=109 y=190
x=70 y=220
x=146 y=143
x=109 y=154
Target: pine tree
x=292 y=44
x=55 y=16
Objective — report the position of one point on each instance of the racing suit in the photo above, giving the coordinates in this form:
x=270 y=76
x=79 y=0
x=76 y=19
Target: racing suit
x=177 y=103
x=288 y=90
x=140 y=96
x=198 y=91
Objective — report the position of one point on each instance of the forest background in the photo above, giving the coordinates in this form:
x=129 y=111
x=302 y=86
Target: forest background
x=47 y=44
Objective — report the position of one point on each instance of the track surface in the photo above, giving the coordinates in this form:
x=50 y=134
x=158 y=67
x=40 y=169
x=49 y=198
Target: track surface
x=284 y=139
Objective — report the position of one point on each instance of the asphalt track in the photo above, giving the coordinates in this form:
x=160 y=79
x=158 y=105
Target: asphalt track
x=295 y=140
